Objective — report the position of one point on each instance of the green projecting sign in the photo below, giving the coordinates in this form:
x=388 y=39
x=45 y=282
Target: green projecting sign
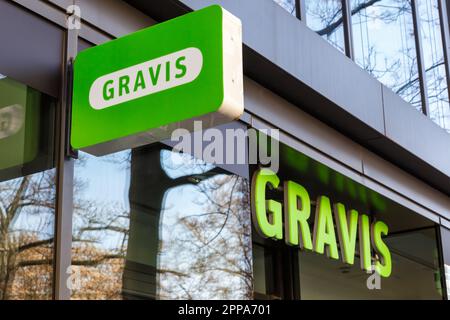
x=139 y=88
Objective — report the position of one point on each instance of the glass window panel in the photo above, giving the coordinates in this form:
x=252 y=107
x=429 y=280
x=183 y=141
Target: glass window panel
x=384 y=45
x=288 y=5
x=267 y=284
x=433 y=56
x=27 y=192
x=154 y=224
x=325 y=17
x=259 y=270
x=415 y=272
x=412 y=242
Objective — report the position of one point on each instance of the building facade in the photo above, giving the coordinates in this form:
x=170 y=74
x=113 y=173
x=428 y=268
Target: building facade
x=357 y=92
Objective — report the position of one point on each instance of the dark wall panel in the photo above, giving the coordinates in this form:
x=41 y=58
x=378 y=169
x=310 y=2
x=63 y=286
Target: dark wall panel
x=31 y=48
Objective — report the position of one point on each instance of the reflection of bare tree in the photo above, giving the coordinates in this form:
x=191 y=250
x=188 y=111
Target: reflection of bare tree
x=159 y=250
x=191 y=242
x=398 y=70
x=26 y=220
x=325 y=17
x=27 y=207
x=99 y=263
x=288 y=5
x=394 y=65
x=218 y=239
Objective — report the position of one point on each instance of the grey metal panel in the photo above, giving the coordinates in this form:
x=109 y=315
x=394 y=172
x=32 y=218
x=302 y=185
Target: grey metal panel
x=373 y=184
x=394 y=196
x=414 y=131
x=31 y=48
x=282 y=114
x=246 y=117
x=420 y=146
x=117 y=18
x=62 y=3
x=278 y=113
x=314 y=154
x=446 y=223
x=405 y=184
x=83 y=44
x=93 y=35
x=45 y=9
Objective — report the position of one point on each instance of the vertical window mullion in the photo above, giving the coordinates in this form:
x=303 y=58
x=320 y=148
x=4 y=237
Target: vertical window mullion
x=420 y=61
x=64 y=180
x=300 y=10
x=444 y=22
x=348 y=34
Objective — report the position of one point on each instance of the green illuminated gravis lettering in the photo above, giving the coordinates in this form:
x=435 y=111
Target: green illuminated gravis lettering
x=324 y=229
x=108 y=90
x=383 y=267
x=347 y=229
x=267 y=213
x=268 y=222
x=364 y=243
x=297 y=207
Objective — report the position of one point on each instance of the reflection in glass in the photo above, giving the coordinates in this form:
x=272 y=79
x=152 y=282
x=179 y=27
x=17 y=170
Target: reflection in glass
x=384 y=45
x=19 y=123
x=27 y=207
x=415 y=274
x=412 y=241
x=433 y=56
x=27 y=192
x=267 y=258
x=288 y=5
x=159 y=225
x=325 y=17
x=259 y=270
